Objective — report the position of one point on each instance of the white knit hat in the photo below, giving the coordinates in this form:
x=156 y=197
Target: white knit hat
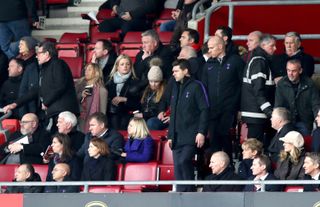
x=155 y=74
x=294 y=138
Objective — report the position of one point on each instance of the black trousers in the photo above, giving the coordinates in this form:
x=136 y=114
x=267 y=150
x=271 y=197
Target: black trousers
x=219 y=130
x=183 y=166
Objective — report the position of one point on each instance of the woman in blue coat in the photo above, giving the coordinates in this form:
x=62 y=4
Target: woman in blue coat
x=139 y=147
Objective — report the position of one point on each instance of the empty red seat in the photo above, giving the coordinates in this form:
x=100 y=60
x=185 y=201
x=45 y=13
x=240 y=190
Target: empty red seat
x=139 y=172
x=75 y=64
x=69 y=49
x=12 y=125
x=104 y=14
x=166 y=172
x=7 y=172
x=95 y=34
x=68 y=37
x=243 y=132
x=166 y=14
x=132 y=53
x=2 y=138
x=132 y=37
x=42 y=170
x=159 y=134
x=166 y=153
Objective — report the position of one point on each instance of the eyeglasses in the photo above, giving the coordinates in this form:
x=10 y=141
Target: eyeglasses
x=40 y=52
x=25 y=122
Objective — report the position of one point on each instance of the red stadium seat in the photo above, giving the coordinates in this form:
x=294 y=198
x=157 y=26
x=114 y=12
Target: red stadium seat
x=243 y=132
x=12 y=125
x=96 y=35
x=165 y=37
x=75 y=64
x=293 y=189
x=159 y=134
x=132 y=37
x=69 y=49
x=104 y=189
x=132 y=53
x=104 y=14
x=119 y=176
x=7 y=172
x=166 y=154
x=42 y=170
x=308 y=143
x=2 y=138
x=166 y=172
x=139 y=172
x=166 y=14
x=53 y=2
x=68 y=37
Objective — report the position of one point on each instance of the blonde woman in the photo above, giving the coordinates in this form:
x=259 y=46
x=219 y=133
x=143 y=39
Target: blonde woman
x=139 y=147
x=91 y=93
x=290 y=166
x=123 y=97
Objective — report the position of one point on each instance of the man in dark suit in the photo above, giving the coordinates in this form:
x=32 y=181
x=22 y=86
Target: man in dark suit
x=98 y=127
x=311 y=167
x=261 y=167
x=280 y=121
x=37 y=140
x=221 y=170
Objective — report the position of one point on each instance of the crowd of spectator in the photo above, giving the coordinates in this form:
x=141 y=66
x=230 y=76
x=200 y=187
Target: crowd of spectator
x=199 y=95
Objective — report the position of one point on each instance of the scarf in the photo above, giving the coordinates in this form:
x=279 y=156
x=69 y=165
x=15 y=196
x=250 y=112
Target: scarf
x=120 y=80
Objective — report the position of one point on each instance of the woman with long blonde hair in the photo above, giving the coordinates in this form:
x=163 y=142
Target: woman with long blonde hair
x=91 y=93
x=123 y=97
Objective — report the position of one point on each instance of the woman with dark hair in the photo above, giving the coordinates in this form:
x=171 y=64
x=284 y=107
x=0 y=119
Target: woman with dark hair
x=99 y=166
x=62 y=153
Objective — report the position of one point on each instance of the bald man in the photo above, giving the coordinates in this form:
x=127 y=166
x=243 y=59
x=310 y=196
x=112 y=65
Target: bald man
x=253 y=40
x=36 y=141
x=60 y=173
x=221 y=170
x=222 y=75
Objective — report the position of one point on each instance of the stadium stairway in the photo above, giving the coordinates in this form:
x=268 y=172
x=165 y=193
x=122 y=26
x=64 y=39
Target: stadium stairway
x=67 y=19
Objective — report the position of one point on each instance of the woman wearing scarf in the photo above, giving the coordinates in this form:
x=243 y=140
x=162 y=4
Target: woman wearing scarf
x=123 y=95
x=91 y=94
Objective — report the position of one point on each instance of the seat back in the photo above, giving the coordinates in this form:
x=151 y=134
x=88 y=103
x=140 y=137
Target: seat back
x=293 y=189
x=75 y=64
x=42 y=170
x=166 y=153
x=12 y=125
x=68 y=49
x=308 y=143
x=166 y=172
x=69 y=37
x=104 y=189
x=132 y=37
x=7 y=172
x=139 y=172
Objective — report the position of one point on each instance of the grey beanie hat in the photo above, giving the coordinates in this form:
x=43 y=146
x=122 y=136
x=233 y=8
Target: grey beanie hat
x=30 y=41
x=155 y=74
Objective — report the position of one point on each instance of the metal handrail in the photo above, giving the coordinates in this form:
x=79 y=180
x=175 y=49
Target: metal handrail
x=174 y=183
x=232 y=4
x=198 y=5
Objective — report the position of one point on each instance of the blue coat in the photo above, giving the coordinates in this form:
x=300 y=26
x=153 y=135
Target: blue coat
x=139 y=150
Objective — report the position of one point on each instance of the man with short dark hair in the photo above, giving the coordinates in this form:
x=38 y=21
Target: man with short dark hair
x=298 y=94
x=188 y=121
x=225 y=33
x=98 y=127
x=56 y=92
x=9 y=91
x=36 y=141
x=280 y=121
x=261 y=170
x=257 y=92
x=25 y=173
x=105 y=56
x=221 y=170
x=311 y=167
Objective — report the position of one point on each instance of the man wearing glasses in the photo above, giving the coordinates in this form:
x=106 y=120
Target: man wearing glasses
x=56 y=92
x=26 y=145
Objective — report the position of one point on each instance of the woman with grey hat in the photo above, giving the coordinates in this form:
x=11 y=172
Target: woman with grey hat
x=30 y=78
x=290 y=166
x=152 y=95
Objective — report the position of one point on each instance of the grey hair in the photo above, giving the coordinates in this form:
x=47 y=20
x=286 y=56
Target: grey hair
x=152 y=33
x=267 y=38
x=69 y=117
x=190 y=50
x=294 y=34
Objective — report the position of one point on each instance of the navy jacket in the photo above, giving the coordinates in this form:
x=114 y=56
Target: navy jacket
x=189 y=112
x=139 y=150
x=267 y=187
x=102 y=168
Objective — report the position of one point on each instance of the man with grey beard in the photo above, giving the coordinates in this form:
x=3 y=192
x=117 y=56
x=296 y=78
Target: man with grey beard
x=26 y=145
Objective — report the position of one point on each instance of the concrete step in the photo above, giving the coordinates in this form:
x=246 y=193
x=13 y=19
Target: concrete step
x=57 y=31
x=69 y=21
